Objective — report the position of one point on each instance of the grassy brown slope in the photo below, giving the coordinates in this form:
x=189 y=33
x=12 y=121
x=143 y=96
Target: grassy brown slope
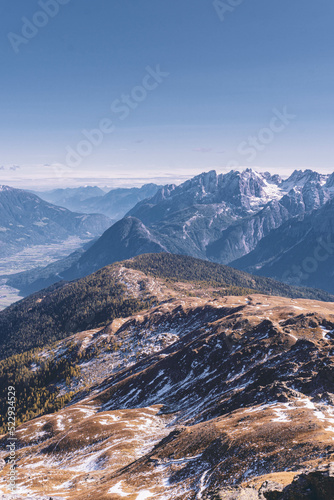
x=119 y=290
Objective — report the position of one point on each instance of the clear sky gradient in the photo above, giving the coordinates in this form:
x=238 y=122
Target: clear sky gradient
x=231 y=70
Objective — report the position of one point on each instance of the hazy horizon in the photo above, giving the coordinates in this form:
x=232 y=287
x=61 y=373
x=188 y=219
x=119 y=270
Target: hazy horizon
x=128 y=182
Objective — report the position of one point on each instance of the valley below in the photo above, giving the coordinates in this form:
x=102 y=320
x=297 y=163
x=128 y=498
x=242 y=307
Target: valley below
x=36 y=256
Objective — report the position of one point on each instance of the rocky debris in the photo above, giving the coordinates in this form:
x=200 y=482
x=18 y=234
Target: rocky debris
x=270 y=491
x=313 y=485
x=234 y=494
x=317 y=484
x=229 y=397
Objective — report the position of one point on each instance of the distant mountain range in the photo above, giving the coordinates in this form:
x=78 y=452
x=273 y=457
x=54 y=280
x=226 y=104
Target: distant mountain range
x=223 y=217
x=91 y=199
x=71 y=198
x=27 y=220
x=216 y=217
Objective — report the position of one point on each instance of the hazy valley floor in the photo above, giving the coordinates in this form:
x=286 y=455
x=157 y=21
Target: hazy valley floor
x=30 y=258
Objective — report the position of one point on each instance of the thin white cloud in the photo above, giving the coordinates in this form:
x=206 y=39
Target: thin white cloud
x=202 y=150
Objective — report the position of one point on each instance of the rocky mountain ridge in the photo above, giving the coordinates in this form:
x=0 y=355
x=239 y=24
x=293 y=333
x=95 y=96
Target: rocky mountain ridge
x=223 y=217
x=88 y=303
x=197 y=397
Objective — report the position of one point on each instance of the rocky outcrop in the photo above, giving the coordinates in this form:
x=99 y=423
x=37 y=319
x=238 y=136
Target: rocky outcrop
x=313 y=485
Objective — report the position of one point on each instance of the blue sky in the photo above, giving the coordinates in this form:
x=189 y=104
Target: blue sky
x=229 y=74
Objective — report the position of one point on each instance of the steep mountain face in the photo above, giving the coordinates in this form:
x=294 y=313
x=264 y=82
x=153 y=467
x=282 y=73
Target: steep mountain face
x=27 y=220
x=91 y=199
x=191 y=216
x=200 y=396
x=236 y=190
x=300 y=177
x=242 y=237
x=330 y=182
x=125 y=239
x=223 y=217
x=300 y=252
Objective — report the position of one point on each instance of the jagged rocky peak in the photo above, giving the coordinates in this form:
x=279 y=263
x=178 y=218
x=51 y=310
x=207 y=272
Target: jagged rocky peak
x=305 y=198
x=300 y=177
x=314 y=195
x=209 y=187
x=330 y=181
x=206 y=182
x=240 y=188
x=293 y=201
x=246 y=190
x=5 y=188
x=163 y=193
x=272 y=179
x=235 y=187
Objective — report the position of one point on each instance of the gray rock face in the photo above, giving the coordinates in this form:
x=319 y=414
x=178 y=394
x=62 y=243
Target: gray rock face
x=299 y=252
x=270 y=490
x=234 y=494
x=317 y=484
x=300 y=177
x=330 y=181
x=241 y=238
x=223 y=217
x=192 y=216
x=233 y=190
